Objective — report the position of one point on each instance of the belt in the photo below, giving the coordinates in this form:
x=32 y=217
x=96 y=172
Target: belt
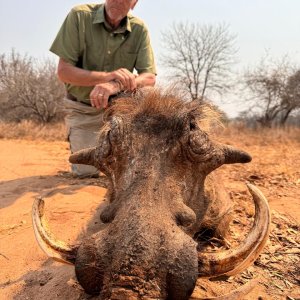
x=73 y=98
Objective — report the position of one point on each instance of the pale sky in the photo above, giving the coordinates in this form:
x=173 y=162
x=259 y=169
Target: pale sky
x=30 y=26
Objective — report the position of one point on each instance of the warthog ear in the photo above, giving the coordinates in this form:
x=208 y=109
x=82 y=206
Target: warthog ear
x=84 y=157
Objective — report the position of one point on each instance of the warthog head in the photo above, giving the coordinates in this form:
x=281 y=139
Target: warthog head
x=157 y=157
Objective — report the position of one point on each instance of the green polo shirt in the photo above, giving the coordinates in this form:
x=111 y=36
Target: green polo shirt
x=86 y=41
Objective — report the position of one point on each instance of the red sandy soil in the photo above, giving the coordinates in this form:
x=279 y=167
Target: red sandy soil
x=30 y=169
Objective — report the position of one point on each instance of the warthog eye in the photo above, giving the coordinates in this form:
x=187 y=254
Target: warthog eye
x=193 y=125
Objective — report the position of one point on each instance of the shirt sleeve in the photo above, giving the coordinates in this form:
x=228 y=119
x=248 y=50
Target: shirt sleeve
x=67 y=42
x=145 y=62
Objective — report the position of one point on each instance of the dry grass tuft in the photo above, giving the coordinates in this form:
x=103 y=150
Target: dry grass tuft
x=29 y=130
x=262 y=136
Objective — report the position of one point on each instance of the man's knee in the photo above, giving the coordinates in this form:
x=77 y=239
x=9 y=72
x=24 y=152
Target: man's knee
x=80 y=139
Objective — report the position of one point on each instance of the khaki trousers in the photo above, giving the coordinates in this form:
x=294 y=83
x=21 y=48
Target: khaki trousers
x=83 y=123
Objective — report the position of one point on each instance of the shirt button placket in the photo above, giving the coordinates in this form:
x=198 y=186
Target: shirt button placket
x=108 y=52
x=110 y=43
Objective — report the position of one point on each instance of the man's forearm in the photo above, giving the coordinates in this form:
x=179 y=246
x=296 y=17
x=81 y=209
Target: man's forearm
x=70 y=74
x=145 y=79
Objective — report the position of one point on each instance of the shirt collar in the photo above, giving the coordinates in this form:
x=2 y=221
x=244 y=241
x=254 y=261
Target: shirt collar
x=100 y=18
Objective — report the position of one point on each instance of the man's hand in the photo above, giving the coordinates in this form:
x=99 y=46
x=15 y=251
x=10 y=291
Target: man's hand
x=125 y=77
x=101 y=92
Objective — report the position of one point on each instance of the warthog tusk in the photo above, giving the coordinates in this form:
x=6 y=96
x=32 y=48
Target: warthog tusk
x=234 y=261
x=56 y=250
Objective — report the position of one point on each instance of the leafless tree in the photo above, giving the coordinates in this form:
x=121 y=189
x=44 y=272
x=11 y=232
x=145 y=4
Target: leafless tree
x=199 y=57
x=272 y=88
x=291 y=97
x=29 y=90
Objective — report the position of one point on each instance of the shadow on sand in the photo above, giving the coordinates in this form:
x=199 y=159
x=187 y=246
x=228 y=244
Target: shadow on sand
x=12 y=190
x=52 y=280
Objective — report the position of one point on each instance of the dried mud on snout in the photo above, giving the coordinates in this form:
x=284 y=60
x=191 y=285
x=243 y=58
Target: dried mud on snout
x=73 y=207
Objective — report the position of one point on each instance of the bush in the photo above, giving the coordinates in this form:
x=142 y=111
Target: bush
x=29 y=90
x=30 y=130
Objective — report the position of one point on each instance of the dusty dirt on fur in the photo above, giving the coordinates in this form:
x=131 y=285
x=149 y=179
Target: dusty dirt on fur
x=30 y=169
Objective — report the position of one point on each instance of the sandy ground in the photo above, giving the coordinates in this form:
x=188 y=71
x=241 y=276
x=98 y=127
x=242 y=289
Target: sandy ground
x=30 y=169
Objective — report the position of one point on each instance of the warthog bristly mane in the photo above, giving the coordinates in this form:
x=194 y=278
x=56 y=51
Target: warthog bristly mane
x=156 y=111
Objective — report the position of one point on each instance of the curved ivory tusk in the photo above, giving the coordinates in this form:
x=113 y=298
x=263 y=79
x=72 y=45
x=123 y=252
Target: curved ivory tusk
x=56 y=250
x=234 y=261
x=234 y=295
